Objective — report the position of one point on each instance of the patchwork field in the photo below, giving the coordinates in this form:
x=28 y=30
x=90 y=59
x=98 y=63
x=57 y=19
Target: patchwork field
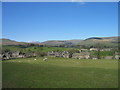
x=59 y=73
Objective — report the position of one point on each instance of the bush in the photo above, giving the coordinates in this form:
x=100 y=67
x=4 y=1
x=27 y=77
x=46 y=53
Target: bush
x=41 y=54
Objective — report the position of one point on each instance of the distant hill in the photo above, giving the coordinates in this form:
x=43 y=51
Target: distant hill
x=97 y=38
x=11 y=42
x=62 y=42
x=108 y=41
x=103 y=38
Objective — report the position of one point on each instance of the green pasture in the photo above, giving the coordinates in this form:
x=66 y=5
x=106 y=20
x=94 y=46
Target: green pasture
x=59 y=73
x=36 y=49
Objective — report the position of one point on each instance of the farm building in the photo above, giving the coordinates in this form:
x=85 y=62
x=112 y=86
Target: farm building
x=4 y=57
x=64 y=54
x=82 y=55
x=51 y=54
x=11 y=55
x=93 y=57
x=17 y=55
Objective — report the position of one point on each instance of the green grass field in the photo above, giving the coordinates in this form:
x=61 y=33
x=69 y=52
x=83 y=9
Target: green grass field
x=60 y=73
x=36 y=49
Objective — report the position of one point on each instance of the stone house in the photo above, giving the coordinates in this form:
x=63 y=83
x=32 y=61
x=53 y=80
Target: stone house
x=58 y=54
x=93 y=57
x=55 y=53
x=64 y=54
x=15 y=54
x=18 y=55
x=82 y=55
x=6 y=56
x=51 y=54
x=27 y=55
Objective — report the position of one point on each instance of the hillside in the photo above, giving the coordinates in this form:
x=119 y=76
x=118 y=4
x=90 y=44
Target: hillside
x=62 y=42
x=108 y=41
x=11 y=42
x=103 y=38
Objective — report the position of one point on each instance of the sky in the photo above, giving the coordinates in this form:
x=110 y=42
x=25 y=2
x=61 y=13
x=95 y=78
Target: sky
x=42 y=21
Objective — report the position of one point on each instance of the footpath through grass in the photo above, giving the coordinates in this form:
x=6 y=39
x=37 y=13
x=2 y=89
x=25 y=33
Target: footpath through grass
x=60 y=73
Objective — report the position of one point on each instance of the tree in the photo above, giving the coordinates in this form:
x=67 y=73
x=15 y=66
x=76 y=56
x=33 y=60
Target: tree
x=41 y=54
x=6 y=51
x=98 y=46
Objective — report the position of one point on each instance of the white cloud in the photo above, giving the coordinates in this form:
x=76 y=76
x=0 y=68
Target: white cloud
x=79 y=1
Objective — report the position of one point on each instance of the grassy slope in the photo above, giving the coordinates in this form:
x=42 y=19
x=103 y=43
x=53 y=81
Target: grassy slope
x=60 y=73
x=11 y=42
x=43 y=49
x=91 y=42
x=47 y=49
